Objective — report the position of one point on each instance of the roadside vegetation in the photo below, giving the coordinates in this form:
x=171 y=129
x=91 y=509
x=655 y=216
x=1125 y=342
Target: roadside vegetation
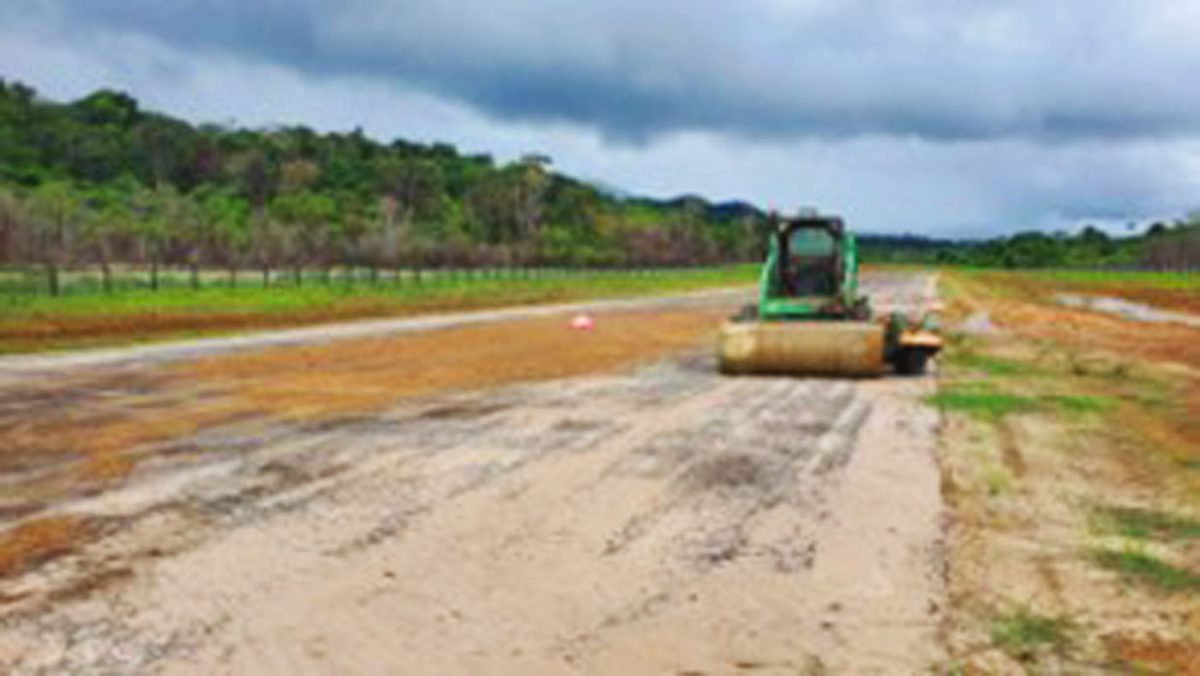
x=1070 y=457
x=100 y=184
x=1147 y=524
x=120 y=224
x=1023 y=634
x=90 y=317
x=119 y=220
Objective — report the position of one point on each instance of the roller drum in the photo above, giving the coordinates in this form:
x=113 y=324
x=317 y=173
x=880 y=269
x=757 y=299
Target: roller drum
x=833 y=348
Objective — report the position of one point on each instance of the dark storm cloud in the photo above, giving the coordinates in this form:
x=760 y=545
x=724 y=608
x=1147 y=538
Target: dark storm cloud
x=936 y=69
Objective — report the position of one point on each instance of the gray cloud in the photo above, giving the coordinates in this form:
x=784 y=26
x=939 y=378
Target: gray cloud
x=631 y=69
x=902 y=115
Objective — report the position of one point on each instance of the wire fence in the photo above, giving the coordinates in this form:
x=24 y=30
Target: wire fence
x=27 y=281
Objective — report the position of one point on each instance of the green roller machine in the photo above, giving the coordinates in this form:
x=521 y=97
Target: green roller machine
x=810 y=318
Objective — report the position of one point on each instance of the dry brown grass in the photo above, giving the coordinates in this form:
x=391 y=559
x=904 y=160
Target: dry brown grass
x=363 y=375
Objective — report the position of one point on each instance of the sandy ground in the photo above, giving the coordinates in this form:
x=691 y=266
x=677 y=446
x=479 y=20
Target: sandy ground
x=655 y=518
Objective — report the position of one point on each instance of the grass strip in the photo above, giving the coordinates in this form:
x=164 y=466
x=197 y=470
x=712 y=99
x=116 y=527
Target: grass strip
x=1147 y=524
x=1136 y=565
x=1022 y=633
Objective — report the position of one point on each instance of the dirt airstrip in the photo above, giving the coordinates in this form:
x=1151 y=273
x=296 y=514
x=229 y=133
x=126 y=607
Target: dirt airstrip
x=496 y=495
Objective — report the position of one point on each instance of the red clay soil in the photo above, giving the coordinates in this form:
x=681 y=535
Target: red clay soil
x=366 y=374
x=38 y=541
x=1155 y=656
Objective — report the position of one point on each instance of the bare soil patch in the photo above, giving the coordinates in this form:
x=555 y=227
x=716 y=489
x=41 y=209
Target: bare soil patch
x=83 y=434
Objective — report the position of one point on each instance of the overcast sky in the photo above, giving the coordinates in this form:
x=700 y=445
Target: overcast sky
x=945 y=117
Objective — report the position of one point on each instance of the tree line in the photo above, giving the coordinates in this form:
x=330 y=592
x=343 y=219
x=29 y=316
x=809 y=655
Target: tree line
x=1173 y=246
x=1164 y=246
x=102 y=183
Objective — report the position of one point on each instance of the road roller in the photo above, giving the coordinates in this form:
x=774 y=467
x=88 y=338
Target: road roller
x=810 y=318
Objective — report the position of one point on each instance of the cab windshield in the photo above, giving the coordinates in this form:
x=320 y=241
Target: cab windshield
x=811 y=243
x=810 y=266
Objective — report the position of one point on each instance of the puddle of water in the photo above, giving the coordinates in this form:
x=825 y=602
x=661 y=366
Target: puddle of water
x=1125 y=309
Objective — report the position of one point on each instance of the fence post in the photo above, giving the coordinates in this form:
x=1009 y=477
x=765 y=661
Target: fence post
x=52 y=278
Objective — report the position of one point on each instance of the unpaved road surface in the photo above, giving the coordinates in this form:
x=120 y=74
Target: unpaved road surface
x=644 y=516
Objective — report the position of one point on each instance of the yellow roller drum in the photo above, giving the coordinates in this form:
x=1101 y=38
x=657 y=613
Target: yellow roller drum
x=802 y=348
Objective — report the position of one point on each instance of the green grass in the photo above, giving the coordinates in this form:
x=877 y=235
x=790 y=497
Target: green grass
x=1080 y=403
x=1138 y=566
x=475 y=291
x=1154 y=280
x=1022 y=633
x=992 y=366
x=286 y=297
x=1146 y=524
x=982 y=403
x=90 y=317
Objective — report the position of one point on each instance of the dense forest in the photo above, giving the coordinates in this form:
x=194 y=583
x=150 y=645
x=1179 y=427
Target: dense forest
x=100 y=183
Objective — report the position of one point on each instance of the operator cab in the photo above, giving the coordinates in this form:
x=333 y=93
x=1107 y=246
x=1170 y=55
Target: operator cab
x=809 y=261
